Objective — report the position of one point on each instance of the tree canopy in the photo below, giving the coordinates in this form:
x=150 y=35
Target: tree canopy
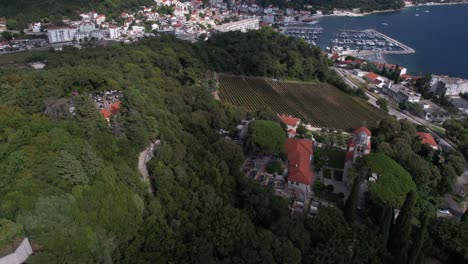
x=393 y=182
x=268 y=136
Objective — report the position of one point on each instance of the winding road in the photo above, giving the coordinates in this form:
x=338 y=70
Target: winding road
x=143 y=158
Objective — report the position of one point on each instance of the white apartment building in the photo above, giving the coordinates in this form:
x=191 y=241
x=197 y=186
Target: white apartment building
x=114 y=32
x=242 y=25
x=61 y=34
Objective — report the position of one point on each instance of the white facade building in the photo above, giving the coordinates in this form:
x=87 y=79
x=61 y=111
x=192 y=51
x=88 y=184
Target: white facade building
x=36 y=27
x=242 y=25
x=448 y=85
x=87 y=26
x=114 y=32
x=61 y=34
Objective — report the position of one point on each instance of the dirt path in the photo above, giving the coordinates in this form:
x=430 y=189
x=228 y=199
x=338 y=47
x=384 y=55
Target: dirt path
x=143 y=158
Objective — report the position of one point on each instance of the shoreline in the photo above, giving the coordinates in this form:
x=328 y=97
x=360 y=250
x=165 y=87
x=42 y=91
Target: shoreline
x=352 y=14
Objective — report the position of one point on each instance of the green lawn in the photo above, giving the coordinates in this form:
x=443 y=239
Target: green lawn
x=332 y=158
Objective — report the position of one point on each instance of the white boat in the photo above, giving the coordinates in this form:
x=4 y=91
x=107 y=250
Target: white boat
x=417 y=15
x=385 y=24
x=427 y=11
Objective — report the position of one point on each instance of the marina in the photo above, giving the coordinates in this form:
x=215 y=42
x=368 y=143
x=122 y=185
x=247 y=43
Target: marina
x=439 y=46
x=307 y=31
x=367 y=42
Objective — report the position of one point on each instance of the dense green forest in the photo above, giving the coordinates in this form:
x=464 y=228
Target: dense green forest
x=71 y=182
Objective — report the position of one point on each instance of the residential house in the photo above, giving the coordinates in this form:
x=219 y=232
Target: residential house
x=460 y=103
x=391 y=67
x=100 y=19
x=138 y=29
x=359 y=73
x=300 y=175
x=4 y=45
x=3 y=26
x=35 y=27
x=291 y=124
x=86 y=27
x=375 y=79
x=434 y=113
x=427 y=138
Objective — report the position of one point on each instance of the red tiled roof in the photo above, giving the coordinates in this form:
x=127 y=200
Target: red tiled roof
x=427 y=138
x=406 y=76
x=299 y=151
x=58 y=27
x=115 y=107
x=372 y=76
x=363 y=129
x=290 y=121
x=105 y=113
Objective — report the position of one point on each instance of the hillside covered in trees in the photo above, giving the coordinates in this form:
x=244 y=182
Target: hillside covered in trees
x=70 y=182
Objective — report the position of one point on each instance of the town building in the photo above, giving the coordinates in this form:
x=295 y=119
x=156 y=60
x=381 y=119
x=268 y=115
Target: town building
x=299 y=175
x=100 y=19
x=61 y=34
x=428 y=139
x=359 y=145
x=448 y=85
x=114 y=32
x=86 y=27
x=359 y=73
x=241 y=25
x=3 y=24
x=36 y=27
x=4 y=45
x=391 y=67
x=460 y=103
x=433 y=113
x=376 y=79
x=291 y=124
x=401 y=93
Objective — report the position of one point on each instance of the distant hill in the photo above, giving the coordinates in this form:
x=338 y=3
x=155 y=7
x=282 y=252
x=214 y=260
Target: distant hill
x=21 y=12
x=329 y=5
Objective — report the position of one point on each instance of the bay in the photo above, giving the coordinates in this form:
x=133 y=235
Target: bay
x=438 y=34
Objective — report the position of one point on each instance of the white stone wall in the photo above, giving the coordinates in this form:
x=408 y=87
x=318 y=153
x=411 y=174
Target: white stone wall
x=21 y=254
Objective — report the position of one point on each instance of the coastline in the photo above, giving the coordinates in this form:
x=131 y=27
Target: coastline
x=353 y=14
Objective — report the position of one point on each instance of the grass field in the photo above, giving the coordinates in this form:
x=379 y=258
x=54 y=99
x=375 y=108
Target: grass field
x=320 y=105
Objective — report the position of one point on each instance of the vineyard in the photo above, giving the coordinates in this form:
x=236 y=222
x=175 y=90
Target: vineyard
x=320 y=105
